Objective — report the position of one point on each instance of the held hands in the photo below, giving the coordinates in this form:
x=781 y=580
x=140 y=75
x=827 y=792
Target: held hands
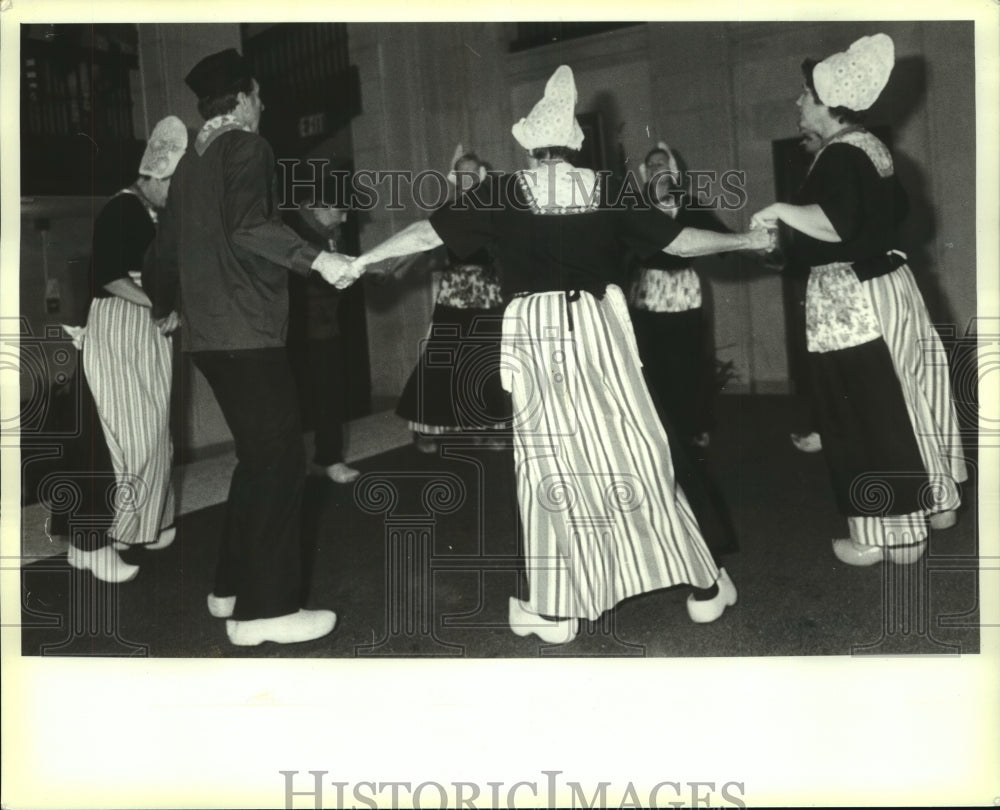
x=764 y=228
x=761 y=238
x=361 y=266
x=336 y=269
x=766 y=217
x=342 y=271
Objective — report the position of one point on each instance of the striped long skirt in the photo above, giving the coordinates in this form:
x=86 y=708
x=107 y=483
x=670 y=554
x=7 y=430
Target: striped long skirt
x=890 y=432
x=602 y=515
x=921 y=364
x=128 y=366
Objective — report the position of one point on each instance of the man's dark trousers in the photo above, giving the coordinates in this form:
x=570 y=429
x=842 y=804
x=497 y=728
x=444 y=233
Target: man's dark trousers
x=260 y=558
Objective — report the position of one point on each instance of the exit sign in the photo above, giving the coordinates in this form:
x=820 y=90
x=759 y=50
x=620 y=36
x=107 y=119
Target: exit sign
x=310 y=125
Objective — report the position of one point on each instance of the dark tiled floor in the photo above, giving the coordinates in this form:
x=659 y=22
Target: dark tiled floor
x=431 y=574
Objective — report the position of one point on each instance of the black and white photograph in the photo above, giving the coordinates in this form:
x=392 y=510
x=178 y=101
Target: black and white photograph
x=525 y=407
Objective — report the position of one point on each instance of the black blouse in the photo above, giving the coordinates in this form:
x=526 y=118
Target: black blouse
x=864 y=208
x=581 y=249
x=122 y=233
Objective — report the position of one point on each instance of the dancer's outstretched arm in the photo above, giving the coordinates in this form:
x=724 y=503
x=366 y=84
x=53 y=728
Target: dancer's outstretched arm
x=697 y=242
x=416 y=238
x=808 y=219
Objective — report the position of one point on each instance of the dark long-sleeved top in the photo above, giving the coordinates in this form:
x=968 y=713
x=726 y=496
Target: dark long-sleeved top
x=864 y=201
x=222 y=250
x=582 y=250
x=123 y=232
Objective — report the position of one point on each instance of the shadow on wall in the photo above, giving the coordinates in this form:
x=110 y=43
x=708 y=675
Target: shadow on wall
x=905 y=94
x=602 y=153
x=917 y=235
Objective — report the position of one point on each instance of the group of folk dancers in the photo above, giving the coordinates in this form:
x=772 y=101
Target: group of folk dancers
x=602 y=378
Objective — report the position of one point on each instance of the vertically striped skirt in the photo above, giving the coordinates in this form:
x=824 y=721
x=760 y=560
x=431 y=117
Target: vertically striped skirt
x=602 y=515
x=128 y=364
x=890 y=432
x=921 y=364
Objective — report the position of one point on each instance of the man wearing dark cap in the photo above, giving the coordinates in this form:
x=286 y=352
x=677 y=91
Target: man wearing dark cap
x=221 y=260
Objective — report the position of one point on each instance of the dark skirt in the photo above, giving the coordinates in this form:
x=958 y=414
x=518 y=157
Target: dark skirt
x=678 y=360
x=456 y=383
x=868 y=442
x=87 y=466
x=694 y=477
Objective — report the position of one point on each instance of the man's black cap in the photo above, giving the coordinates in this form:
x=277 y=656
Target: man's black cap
x=218 y=74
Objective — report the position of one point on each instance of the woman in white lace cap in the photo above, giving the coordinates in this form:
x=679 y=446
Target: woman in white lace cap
x=672 y=327
x=603 y=518
x=127 y=359
x=882 y=392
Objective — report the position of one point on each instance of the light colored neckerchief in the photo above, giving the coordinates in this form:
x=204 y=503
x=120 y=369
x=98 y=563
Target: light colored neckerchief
x=214 y=127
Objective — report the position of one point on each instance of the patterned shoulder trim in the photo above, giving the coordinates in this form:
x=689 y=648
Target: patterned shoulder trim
x=213 y=128
x=591 y=204
x=150 y=210
x=877 y=151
